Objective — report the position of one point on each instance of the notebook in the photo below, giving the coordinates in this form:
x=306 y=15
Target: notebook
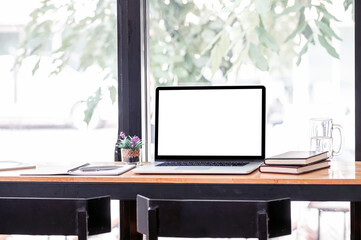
x=208 y=130
x=88 y=169
x=296 y=158
x=14 y=165
x=294 y=169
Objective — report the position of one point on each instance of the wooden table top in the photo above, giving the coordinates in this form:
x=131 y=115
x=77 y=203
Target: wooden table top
x=338 y=173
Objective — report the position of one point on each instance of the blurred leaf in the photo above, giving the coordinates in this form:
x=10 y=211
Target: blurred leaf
x=257 y=57
x=224 y=43
x=267 y=39
x=328 y=47
x=211 y=44
x=262 y=6
x=216 y=58
x=36 y=67
x=308 y=33
x=300 y=28
x=294 y=8
x=113 y=93
x=36 y=49
x=347 y=4
x=322 y=9
x=91 y=103
x=302 y=52
x=326 y=30
x=219 y=51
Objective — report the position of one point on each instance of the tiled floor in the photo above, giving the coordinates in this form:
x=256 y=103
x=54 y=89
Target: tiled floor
x=305 y=227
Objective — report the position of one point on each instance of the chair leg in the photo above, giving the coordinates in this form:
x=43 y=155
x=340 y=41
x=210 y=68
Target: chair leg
x=319 y=224
x=152 y=224
x=82 y=225
x=344 y=226
x=262 y=226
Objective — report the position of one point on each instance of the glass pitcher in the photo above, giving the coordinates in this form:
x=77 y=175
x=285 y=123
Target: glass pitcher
x=322 y=130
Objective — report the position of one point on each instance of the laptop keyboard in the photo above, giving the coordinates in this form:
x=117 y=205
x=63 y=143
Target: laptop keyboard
x=200 y=163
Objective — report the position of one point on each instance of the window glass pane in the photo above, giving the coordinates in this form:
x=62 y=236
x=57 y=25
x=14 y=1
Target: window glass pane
x=58 y=60
x=302 y=51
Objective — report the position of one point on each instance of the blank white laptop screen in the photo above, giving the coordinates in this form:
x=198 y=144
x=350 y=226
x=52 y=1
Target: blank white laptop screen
x=210 y=122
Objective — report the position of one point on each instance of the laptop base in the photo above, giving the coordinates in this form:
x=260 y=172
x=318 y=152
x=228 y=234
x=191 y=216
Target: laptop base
x=152 y=168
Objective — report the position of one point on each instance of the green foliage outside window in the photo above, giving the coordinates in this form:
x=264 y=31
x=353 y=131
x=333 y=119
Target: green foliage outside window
x=189 y=40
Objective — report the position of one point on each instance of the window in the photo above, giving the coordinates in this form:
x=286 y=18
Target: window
x=58 y=60
x=302 y=52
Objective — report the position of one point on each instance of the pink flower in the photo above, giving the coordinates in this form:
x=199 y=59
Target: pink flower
x=134 y=141
x=122 y=135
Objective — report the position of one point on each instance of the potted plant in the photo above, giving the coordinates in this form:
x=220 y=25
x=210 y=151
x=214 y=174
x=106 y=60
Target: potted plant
x=130 y=148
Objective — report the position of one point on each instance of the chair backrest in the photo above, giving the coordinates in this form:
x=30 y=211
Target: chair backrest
x=214 y=218
x=53 y=216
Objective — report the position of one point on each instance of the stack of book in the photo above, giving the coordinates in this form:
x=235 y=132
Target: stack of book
x=295 y=162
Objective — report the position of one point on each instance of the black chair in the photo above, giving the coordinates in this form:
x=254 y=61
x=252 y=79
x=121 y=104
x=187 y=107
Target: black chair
x=55 y=216
x=213 y=218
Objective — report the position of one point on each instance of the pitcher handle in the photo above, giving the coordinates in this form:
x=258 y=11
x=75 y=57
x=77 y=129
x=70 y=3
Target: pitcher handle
x=340 y=130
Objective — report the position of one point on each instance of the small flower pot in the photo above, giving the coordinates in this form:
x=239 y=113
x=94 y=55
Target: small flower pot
x=130 y=156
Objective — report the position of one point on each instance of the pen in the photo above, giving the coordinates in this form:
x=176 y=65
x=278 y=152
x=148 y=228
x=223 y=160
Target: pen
x=81 y=166
x=98 y=168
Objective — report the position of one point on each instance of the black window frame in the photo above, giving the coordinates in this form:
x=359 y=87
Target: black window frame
x=357 y=12
x=130 y=17
x=129 y=67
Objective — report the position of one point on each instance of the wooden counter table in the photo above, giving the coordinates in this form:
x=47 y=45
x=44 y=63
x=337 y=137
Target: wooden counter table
x=341 y=182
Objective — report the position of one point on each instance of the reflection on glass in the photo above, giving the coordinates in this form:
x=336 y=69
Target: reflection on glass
x=302 y=51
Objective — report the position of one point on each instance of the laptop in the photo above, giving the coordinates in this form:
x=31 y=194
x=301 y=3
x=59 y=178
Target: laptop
x=208 y=130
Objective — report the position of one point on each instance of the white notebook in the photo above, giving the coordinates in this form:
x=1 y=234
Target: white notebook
x=14 y=165
x=89 y=169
